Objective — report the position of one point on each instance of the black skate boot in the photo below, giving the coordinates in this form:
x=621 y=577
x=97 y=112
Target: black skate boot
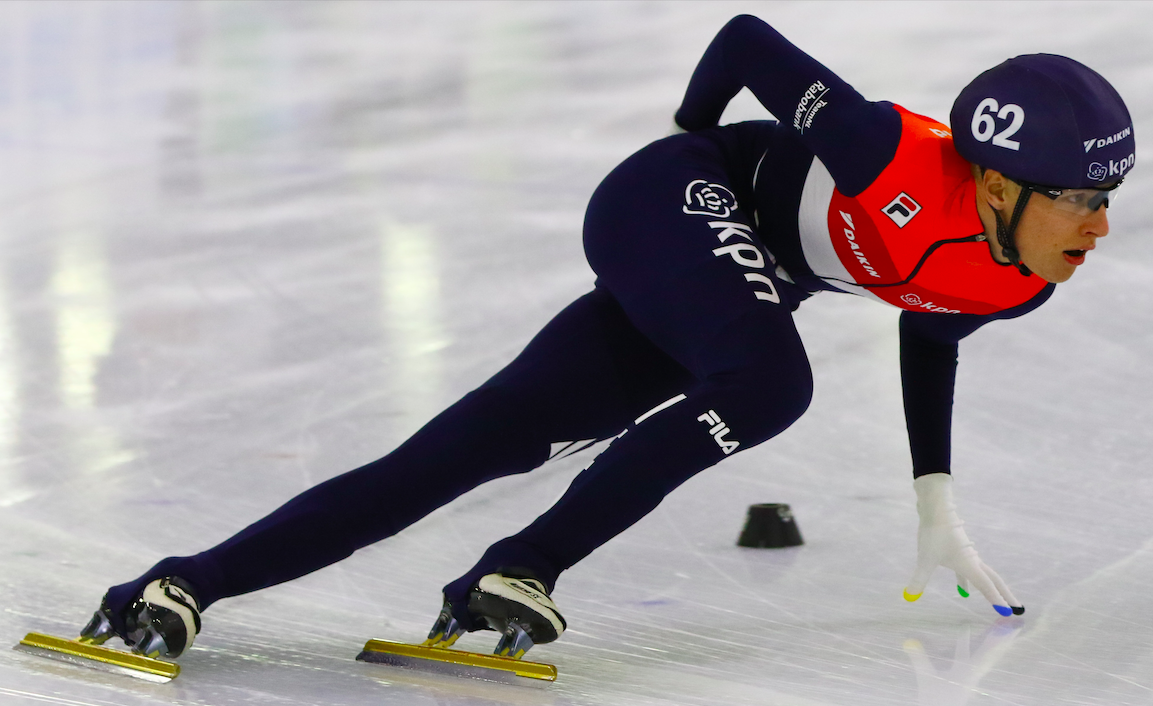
x=519 y=608
x=162 y=621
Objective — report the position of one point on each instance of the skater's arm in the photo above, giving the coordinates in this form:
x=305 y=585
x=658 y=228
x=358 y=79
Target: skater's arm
x=928 y=371
x=853 y=137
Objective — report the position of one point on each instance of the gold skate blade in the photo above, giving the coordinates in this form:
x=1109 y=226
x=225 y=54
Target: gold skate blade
x=96 y=657
x=458 y=662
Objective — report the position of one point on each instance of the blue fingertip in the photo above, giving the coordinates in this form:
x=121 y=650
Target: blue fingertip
x=1003 y=610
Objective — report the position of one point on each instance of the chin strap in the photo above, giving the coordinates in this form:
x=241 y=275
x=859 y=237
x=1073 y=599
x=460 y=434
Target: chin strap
x=1005 y=235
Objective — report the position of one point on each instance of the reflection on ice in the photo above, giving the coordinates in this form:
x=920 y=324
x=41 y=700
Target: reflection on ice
x=9 y=383
x=85 y=325
x=955 y=681
x=412 y=309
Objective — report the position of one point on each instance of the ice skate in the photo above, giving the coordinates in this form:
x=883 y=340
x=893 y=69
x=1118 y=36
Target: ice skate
x=518 y=608
x=162 y=621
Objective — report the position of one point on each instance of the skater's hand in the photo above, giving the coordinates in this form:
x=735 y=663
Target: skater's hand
x=941 y=541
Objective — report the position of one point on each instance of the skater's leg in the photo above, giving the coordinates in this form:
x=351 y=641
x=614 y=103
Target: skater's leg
x=754 y=401
x=584 y=376
x=692 y=275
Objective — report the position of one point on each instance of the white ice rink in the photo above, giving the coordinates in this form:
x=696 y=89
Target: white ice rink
x=246 y=247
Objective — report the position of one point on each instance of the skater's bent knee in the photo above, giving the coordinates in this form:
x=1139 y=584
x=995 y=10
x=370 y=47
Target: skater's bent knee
x=761 y=405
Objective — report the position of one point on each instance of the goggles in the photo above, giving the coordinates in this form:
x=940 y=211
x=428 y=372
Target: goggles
x=1080 y=202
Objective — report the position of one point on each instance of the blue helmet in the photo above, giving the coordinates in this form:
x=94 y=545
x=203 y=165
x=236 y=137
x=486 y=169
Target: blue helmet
x=1045 y=119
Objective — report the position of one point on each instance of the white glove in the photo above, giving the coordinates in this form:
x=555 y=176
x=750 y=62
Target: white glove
x=941 y=541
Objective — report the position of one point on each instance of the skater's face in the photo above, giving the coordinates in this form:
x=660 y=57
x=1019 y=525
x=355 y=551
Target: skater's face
x=1052 y=239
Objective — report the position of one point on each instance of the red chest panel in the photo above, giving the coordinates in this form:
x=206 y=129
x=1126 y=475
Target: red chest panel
x=896 y=232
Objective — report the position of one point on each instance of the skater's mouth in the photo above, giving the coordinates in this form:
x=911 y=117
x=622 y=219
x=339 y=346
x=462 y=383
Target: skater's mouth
x=1075 y=257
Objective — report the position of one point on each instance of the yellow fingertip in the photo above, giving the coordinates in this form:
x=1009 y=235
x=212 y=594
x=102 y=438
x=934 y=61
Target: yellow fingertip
x=910 y=597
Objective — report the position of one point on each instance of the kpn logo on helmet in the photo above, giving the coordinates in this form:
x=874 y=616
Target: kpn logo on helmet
x=1115 y=169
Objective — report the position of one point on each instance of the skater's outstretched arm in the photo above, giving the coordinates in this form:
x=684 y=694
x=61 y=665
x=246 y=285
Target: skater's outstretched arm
x=854 y=138
x=928 y=370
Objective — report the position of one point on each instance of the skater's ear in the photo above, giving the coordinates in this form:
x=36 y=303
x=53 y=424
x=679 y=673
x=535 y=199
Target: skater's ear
x=994 y=188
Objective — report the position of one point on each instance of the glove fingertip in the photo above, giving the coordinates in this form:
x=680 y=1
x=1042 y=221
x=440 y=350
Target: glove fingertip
x=962 y=591
x=1018 y=609
x=910 y=597
x=1004 y=610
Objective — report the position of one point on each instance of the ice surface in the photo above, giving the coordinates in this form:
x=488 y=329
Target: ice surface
x=245 y=247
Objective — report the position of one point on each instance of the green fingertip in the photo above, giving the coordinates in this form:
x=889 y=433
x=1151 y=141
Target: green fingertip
x=963 y=592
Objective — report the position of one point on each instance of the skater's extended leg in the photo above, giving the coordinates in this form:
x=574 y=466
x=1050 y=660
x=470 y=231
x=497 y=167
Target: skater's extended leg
x=668 y=237
x=584 y=376
x=738 y=406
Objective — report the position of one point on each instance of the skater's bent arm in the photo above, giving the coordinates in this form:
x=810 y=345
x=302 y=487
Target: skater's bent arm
x=854 y=138
x=928 y=372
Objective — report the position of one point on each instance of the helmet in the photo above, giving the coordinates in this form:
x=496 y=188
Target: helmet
x=1044 y=121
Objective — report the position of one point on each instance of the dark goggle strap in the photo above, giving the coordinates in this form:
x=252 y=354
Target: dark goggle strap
x=1005 y=235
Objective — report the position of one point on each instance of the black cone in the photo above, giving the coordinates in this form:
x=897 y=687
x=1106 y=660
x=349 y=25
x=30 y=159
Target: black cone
x=770 y=525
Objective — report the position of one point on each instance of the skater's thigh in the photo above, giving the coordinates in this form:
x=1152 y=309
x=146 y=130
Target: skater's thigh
x=667 y=238
x=587 y=373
